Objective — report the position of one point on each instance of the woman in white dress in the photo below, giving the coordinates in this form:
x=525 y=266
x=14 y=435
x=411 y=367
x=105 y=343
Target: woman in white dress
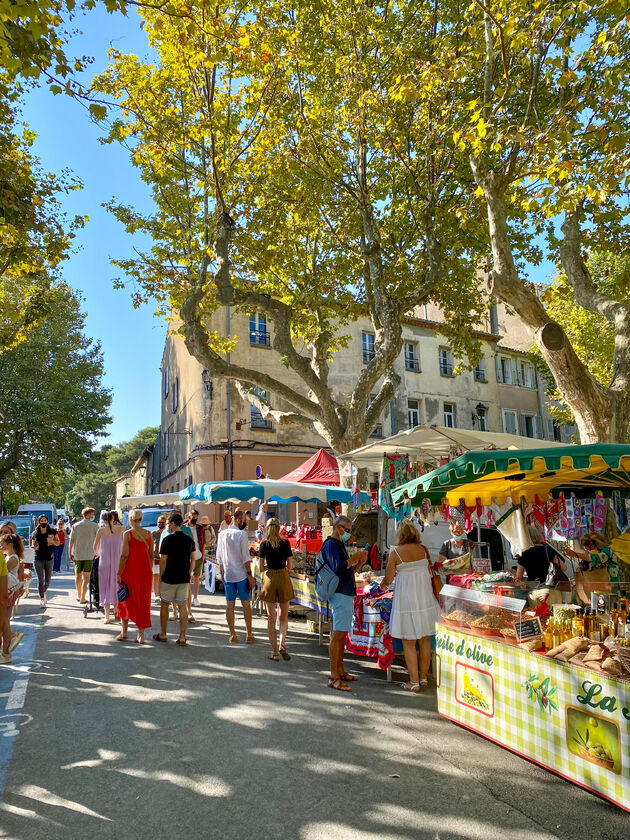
x=414 y=607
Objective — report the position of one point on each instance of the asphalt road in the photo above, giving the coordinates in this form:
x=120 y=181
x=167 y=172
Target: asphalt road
x=103 y=739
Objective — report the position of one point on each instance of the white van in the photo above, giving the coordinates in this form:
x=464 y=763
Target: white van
x=40 y=509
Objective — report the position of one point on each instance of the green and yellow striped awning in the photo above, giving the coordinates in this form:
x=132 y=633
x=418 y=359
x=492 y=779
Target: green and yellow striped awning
x=513 y=473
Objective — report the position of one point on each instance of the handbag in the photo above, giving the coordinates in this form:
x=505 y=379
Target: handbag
x=436 y=583
x=555 y=575
x=326 y=581
x=123 y=592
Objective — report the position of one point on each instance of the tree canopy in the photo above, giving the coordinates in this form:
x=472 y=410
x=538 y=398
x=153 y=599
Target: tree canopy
x=288 y=181
x=96 y=485
x=53 y=405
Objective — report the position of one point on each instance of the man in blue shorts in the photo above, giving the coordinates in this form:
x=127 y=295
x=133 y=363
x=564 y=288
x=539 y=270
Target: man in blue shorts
x=235 y=561
x=335 y=555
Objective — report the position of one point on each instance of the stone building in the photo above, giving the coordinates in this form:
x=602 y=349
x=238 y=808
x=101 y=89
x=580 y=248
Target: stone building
x=209 y=433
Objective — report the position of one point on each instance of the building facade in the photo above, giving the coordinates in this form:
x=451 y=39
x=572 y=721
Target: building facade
x=209 y=433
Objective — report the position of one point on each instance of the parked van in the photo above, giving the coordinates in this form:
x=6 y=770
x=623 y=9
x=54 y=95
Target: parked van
x=38 y=510
x=25 y=526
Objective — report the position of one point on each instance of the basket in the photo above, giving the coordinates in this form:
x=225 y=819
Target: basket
x=608 y=763
x=624 y=654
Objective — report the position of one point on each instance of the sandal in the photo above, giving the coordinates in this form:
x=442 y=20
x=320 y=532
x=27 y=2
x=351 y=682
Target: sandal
x=158 y=638
x=274 y=657
x=191 y=619
x=249 y=639
x=284 y=653
x=409 y=686
x=423 y=683
x=349 y=678
x=338 y=685
x=121 y=638
x=181 y=642
x=233 y=638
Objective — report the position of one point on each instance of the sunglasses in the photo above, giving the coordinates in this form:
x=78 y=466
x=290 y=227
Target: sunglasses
x=347 y=530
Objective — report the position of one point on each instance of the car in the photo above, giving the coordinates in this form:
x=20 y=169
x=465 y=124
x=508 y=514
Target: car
x=25 y=525
x=150 y=516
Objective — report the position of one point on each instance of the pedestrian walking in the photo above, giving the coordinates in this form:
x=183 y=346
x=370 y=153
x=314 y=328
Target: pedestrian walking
x=156 y=537
x=335 y=554
x=43 y=541
x=58 y=551
x=235 y=561
x=226 y=521
x=12 y=548
x=276 y=558
x=177 y=561
x=414 y=607
x=5 y=656
x=136 y=571
x=82 y=551
x=108 y=547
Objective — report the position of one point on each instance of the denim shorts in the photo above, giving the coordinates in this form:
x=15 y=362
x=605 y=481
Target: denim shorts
x=342 y=611
x=240 y=589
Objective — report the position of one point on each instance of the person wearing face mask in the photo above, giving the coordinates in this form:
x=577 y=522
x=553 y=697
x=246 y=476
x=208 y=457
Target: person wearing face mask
x=335 y=554
x=235 y=561
x=457 y=546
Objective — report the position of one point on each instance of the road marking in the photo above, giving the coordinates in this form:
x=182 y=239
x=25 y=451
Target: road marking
x=17 y=695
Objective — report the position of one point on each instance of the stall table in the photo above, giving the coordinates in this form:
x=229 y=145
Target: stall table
x=539 y=708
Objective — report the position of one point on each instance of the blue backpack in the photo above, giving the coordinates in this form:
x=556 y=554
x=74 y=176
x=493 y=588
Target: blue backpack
x=326 y=581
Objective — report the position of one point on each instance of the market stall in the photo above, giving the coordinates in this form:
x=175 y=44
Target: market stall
x=268 y=490
x=552 y=687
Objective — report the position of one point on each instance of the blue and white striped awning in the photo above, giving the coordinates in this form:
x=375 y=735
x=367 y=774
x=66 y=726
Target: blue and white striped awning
x=268 y=490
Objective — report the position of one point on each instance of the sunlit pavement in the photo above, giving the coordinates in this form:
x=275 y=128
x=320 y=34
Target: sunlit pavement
x=100 y=738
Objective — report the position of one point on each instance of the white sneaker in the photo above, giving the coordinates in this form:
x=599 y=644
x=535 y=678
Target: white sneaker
x=42 y=604
x=195 y=602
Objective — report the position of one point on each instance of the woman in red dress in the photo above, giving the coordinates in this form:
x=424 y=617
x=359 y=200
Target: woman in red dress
x=136 y=570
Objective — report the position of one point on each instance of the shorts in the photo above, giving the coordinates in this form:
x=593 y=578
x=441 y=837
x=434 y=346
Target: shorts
x=342 y=612
x=233 y=589
x=198 y=567
x=82 y=566
x=277 y=586
x=177 y=592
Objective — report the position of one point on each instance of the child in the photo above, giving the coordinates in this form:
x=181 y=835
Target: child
x=13 y=550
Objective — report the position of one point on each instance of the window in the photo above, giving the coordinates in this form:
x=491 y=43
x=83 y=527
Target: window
x=369 y=350
x=509 y=421
x=529 y=425
x=413 y=412
x=446 y=362
x=258 y=334
x=504 y=370
x=449 y=415
x=165 y=382
x=479 y=371
x=412 y=362
x=256 y=420
x=165 y=437
x=175 y=397
x=481 y=420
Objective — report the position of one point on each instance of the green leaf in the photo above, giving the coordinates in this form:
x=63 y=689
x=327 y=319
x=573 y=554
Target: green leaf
x=98 y=112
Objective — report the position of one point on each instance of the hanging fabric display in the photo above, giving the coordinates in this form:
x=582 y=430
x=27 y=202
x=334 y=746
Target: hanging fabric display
x=396 y=470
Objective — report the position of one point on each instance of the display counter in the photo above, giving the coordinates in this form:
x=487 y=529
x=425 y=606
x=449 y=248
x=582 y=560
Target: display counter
x=568 y=718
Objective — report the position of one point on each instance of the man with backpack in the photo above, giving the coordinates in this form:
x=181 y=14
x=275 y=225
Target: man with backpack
x=334 y=555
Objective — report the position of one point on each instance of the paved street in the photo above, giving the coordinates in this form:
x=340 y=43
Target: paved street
x=110 y=739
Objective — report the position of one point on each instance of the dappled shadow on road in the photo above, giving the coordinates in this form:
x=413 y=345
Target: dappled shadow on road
x=215 y=740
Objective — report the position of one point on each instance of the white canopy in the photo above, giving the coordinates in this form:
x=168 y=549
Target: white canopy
x=435 y=442
x=158 y=500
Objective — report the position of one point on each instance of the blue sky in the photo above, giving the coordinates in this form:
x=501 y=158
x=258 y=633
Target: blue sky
x=132 y=339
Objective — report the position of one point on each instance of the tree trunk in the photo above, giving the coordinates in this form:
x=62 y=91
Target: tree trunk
x=601 y=414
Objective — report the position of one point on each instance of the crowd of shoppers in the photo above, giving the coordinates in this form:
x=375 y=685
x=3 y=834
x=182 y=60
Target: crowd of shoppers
x=136 y=565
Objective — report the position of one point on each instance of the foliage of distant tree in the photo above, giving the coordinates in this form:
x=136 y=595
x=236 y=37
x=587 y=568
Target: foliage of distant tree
x=53 y=405
x=96 y=486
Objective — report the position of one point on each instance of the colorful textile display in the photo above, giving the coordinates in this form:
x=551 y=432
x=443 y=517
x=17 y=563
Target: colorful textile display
x=396 y=470
x=511 y=524
x=369 y=635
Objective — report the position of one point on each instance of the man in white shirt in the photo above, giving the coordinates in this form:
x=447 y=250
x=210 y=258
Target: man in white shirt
x=227 y=520
x=261 y=519
x=235 y=561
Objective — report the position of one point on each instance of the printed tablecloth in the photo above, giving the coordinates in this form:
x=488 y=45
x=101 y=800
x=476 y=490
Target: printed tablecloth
x=568 y=719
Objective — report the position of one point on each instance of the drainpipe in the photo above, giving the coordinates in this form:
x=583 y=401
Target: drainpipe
x=228 y=413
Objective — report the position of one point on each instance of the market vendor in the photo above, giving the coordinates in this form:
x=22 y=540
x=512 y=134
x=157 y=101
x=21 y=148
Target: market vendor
x=542 y=564
x=596 y=554
x=457 y=546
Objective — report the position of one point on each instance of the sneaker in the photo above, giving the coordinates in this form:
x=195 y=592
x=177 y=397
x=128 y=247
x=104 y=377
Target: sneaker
x=195 y=602
x=42 y=604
